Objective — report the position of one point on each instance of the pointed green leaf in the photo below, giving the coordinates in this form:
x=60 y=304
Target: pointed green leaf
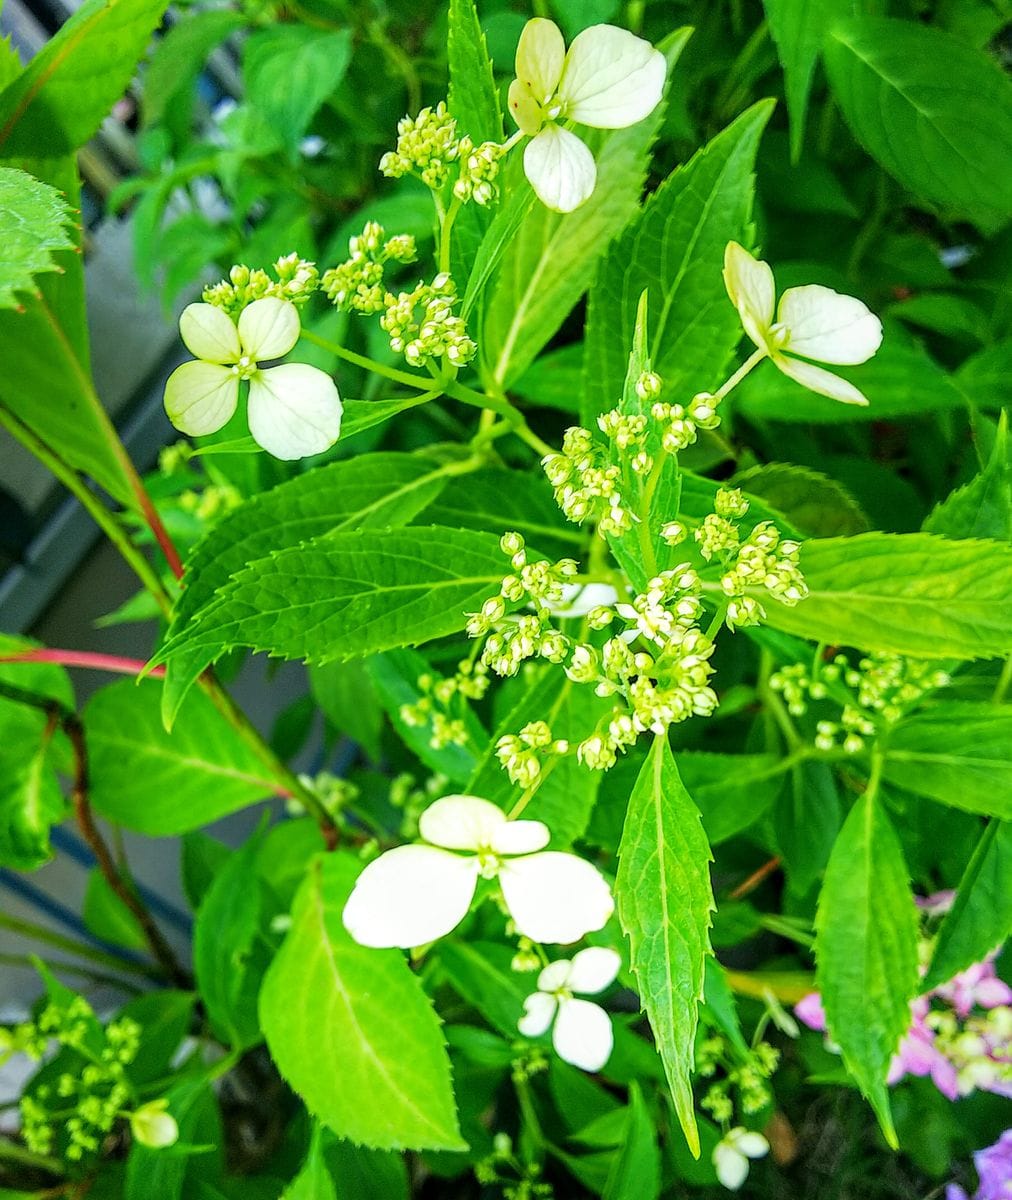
x=816 y=505
x=983 y=507
x=473 y=97
x=351 y=1030
x=664 y=905
x=866 y=950
x=636 y=1171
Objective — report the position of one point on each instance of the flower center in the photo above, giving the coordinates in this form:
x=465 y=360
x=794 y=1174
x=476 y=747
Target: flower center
x=246 y=367
x=488 y=863
x=779 y=335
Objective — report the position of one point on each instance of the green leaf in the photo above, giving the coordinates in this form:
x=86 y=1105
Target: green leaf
x=348 y=699
x=983 y=377
x=473 y=96
x=313 y=1181
x=481 y=973
x=674 y=249
x=34 y=217
x=289 y=70
x=171 y=1173
x=177 y=60
x=31 y=801
x=957 y=753
x=866 y=950
x=798 y=28
x=983 y=507
x=351 y=594
x=158 y=783
x=60 y=99
x=980 y=919
x=201 y=858
x=816 y=505
x=351 y=1030
x=362 y=1174
x=165 y=1018
x=636 y=1171
x=360 y=415
x=107 y=916
x=553 y=259
x=555 y=380
x=911 y=593
x=731 y=791
x=664 y=905
x=806 y=823
x=936 y=113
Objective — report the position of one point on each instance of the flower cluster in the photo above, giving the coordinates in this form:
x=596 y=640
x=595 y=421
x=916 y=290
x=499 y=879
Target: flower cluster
x=581 y=1030
x=479 y=167
x=429 y=146
x=587 y=486
x=414 y=894
x=680 y=423
x=356 y=285
x=749 y=1078
x=994 y=1172
x=422 y=324
x=297 y=279
x=732 y=1153
x=434 y=707
x=522 y=754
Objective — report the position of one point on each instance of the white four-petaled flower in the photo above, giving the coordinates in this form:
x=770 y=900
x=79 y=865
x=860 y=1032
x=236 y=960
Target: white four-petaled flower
x=812 y=321
x=609 y=79
x=582 y=1033
x=732 y=1153
x=294 y=409
x=412 y=895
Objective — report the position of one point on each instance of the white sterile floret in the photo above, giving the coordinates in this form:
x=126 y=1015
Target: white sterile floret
x=608 y=79
x=578 y=599
x=582 y=1033
x=812 y=321
x=294 y=409
x=732 y=1153
x=414 y=894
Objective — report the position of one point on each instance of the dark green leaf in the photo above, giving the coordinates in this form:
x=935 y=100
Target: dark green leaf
x=473 y=97
x=636 y=1171
x=816 y=505
x=983 y=507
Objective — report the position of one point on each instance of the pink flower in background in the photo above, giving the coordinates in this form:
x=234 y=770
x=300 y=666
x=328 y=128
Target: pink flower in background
x=994 y=1170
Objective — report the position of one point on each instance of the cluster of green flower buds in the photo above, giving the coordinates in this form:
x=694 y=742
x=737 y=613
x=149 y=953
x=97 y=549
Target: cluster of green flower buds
x=586 y=486
x=523 y=755
x=434 y=707
x=423 y=326
x=479 y=168
x=356 y=285
x=429 y=146
x=680 y=423
x=748 y=1079
x=297 y=279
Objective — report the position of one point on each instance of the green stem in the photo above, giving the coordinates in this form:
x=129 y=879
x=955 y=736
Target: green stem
x=1004 y=682
x=875 y=778
x=368 y=364
x=771 y=701
x=49 y=937
x=752 y=361
x=12 y=1152
x=444 y=235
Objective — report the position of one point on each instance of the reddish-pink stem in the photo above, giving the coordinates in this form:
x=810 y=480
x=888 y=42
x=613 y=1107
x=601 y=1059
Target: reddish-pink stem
x=161 y=534
x=114 y=663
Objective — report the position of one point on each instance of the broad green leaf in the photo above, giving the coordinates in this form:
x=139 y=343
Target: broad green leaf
x=553 y=259
x=201 y=858
x=957 y=753
x=806 y=822
x=866 y=950
x=481 y=973
x=798 y=28
x=289 y=71
x=983 y=377
x=348 y=699
x=980 y=919
x=664 y=905
x=816 y=505
x=936 y=113
x=395 y=676
x=35 y=218
x=675 y=249
x=362 y=1174
x=983 y=507
x=107 y=916
x=555 y=380
x=473 y=96
x=731 y=791
x=61 y=97
x=351 y=594
x=158 y=783
x=351 y=1030
x=313 y=1181
x=911 y=593
x=720 y=1008
x=165 y=1018
x=636 y=1171
x=513 y=209
x=177 y=60
x=360 y=415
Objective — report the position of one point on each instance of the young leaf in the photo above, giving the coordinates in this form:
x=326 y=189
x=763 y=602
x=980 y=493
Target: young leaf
x=866 y=950
x=664 y=905
x=31 y=801
x=980 y=919
x=351 y=1030
x=912 y=593
x=674 y=249
x=473 y=96
x=983 y=507
x=156 y=783
x=935 y=112
x=35 y=217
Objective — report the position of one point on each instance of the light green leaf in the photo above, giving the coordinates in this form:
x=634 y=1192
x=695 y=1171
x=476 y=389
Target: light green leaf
x=981 y=508
x=351 y=1030
x=911 y=593
x=798 y=28
x=34 y=217
x=473 y=96
x=30 y=798
x=664 y=905
x=675 y=249
x=866 y=950
x=106 y=915
x=177 y=60
x=957 y=753
x=555 y=380
x=158 y=783
x=636 y=1171
x=936 y=113
x=980 y=919
x=171 y=1174
x=553 y=259
x=289 y=70
x=59 y=100
x=816 y=505
x=360 y=415
x=313 y=1181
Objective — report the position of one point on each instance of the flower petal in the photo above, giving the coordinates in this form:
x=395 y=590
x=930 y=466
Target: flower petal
x=209 y=334
x=410 y=896
x=828 y=326
x=555 y=897
x=579 y=598
x=461 y=822
x=611 y=78
x=294 y=410
x=541 y=54
x=824 y=383
x=583 y=1034
x=749 y=283
x=748 y=1142
x=555 y=975
x=269 y=328
x=594 y=969
x=730 y=1165
x=560 y=168
x=520 y=837
x=525 y=108
x=201 y=396
x=539 y=1009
